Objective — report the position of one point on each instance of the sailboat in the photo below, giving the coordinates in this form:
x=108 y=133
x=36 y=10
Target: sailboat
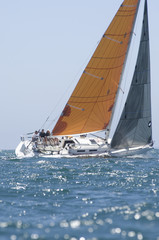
x=92 y=105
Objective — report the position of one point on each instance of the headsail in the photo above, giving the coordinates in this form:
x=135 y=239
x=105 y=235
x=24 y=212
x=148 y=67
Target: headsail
x=90 y=106
x=134 y=128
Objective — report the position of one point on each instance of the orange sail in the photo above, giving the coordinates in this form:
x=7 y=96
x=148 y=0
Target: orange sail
x=89 y=108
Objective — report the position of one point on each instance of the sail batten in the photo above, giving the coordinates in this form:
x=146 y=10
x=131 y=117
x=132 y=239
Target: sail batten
x=113 y=39
x=100 y=79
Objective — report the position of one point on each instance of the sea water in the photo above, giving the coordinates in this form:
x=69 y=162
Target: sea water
x=79 y=198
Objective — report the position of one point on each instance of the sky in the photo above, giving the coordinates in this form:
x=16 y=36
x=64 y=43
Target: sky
x=44 y=47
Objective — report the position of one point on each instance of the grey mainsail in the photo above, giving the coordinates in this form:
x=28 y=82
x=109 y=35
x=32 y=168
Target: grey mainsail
x=134 y=128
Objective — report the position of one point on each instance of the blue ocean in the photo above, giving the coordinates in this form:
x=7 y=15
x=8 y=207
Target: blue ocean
x=79 y=198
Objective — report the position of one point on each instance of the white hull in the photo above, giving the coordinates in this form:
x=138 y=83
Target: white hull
x=75 y=147
x=67 y=147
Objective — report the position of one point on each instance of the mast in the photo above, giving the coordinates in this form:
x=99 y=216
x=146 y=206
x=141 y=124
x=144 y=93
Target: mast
x=90 y=106
x=134 y=128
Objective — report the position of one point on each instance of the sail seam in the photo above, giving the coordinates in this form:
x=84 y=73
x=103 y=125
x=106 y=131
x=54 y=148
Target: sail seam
x=140 y=84
x=109 y=57
x=105 y=68
x=143 y=111
x=92 y=102
x=126 y=15
x=118 y=35
x=146 y=70
x=128 y=5
x=94 y=96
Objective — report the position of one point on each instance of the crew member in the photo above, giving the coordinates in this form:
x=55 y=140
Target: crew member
x=35 y=136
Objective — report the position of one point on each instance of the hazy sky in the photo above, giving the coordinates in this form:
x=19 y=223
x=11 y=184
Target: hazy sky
x=44 y=47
